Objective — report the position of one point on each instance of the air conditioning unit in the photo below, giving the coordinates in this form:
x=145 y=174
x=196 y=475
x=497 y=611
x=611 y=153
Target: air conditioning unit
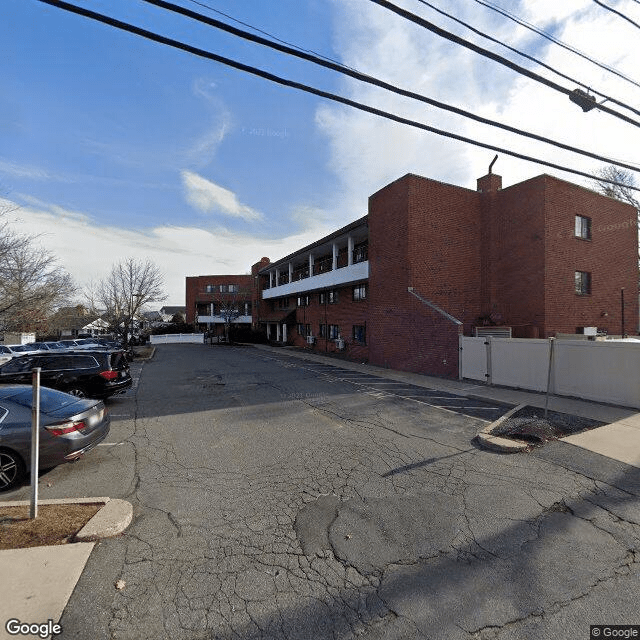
x=339 y=344
x=311 y=340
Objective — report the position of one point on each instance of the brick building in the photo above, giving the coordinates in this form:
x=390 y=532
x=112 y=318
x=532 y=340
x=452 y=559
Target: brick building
x=431 y=260
x=213 y=301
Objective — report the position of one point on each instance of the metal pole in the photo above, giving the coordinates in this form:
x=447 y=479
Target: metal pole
x=546 y=400
x=35 y=441
x=622 y=313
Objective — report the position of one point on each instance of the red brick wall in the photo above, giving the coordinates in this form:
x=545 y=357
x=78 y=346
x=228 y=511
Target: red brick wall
x=195 y=291
x=345 y=313
x=421 y=234
x=611 y=256
x=514 y=250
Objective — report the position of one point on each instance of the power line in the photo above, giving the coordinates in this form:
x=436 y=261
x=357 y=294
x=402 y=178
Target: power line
x=144 y=33
x=482 y=34
x=551 y=38
x=373 y=81
x=265 y=33
x=412 y=17
x=618 y=13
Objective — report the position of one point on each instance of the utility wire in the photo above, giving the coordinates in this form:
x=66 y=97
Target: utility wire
x=374 y=81
x=412 y=17
x=144 y=33
x=551 y=38
x=482 y=34
x=618 y=13
x=266 y=33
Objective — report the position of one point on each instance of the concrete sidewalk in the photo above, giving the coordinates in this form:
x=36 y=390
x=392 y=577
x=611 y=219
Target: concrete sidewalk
x=619 y=439
x=38 y=582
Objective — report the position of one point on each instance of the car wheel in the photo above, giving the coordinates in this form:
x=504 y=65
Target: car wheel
x=77 y=392
x=11 y=469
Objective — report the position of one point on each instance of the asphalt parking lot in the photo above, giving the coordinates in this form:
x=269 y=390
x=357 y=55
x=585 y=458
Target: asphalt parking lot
x=281 y=498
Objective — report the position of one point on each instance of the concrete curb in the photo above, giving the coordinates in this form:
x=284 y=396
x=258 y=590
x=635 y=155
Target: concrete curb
x=496 y=443
x=112 y=518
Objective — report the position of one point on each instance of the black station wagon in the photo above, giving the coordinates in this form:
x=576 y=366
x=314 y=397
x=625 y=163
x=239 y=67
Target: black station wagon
x=90 y=374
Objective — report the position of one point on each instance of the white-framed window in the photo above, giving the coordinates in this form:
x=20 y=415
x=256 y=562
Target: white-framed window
x=360 y=292
x=583 y=227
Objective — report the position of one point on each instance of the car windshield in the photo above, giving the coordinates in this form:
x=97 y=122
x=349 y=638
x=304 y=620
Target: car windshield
x=50 y=399
x=54 y=345
x=21 y=347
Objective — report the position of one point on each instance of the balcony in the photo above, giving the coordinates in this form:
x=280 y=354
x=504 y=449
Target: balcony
x=221 y=320
x=327 y=280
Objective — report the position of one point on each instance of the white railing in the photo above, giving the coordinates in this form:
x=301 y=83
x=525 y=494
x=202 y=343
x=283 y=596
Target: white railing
x=171 y=338
x=603 y=371
x=342 y=276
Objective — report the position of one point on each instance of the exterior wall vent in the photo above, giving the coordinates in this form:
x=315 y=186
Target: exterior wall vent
x=494 y=332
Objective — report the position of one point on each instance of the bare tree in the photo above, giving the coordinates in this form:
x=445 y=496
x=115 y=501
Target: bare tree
x=624 y=187
x=32 y=284
x=130 y=285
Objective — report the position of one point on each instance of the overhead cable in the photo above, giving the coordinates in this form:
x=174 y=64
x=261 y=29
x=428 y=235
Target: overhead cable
x=555 y=40
x=204 y=5
x=144 y=33
x=374 y=81
x=482 y=34
x=412 y=17
x=618 y=13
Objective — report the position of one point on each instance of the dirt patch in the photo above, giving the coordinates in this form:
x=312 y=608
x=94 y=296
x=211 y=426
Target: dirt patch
x=530 y=425
x=55 y=524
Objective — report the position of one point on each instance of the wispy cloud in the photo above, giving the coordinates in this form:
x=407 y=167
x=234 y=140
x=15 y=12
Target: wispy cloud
x=209 y=197
x=30 y=172
x=179 y=250
x=366 y=152
x=205 y=146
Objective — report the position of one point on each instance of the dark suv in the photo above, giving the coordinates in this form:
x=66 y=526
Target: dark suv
x=91 y=374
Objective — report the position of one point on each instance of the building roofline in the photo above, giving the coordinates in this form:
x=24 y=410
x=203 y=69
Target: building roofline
x=352 y=225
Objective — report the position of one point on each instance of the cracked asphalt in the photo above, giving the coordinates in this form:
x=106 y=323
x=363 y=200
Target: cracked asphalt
x=279 y=498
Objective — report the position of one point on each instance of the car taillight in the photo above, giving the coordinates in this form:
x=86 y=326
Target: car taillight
x=65 y=427
x=109 y=375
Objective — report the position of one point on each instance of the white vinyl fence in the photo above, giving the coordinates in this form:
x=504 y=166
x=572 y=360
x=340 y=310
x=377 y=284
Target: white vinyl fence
x=592 y=370
x=171 y=338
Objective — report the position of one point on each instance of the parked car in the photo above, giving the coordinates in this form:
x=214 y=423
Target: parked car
x=91 y=374
x=54 y=346
x=5 y=354
x=69 y=427
x=80 y=343
x=23 y=349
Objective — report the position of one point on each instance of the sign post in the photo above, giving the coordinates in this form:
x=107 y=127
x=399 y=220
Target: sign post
x=35 y=441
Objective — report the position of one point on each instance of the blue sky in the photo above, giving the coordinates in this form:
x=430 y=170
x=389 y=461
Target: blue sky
x=114 y=146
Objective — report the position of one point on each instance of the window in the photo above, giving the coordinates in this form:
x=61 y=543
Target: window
x=361 y=252
x=583 y=227
x=360 y=292
x=334 y=331
x=359 y=334
x=303 y=301
x=283 y=303
x=304 y=330
x=210 y=288
x=583 y=283
x=323 y=331
x=330 y=297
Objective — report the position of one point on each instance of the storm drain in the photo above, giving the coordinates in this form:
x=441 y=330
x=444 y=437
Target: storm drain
x=529 y=425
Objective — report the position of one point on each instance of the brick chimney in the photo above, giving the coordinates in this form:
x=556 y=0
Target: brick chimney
x=490 y=183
